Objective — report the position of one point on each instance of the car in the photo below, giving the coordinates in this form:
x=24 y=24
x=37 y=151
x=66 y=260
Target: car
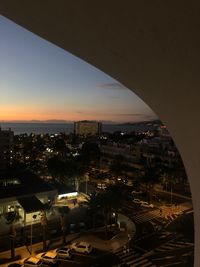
x=151 y=205
x=101 y=186
x=14 y=265
x=63 y=253
x=136 y=201
x=32 y=262
x=146 y=204
x=136 y=192
x=48 y=257
x=179 y=212
x=81 y=247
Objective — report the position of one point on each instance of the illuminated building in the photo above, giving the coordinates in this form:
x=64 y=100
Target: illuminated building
x=6 y=148
x=86 y=128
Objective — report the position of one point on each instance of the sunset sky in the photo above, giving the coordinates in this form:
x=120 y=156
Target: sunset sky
x=40 y=81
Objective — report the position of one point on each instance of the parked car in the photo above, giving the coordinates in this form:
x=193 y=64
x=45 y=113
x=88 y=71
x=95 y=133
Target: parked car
x=136 y=192
x=101 y=186
x=151 y=205
x=14 y=265
x=81 y=247
x=136 y=201
x=77 y=227
x=63 y=253
x=146 y=204
x=32 y=262
x=179 y=212
x=48 y=257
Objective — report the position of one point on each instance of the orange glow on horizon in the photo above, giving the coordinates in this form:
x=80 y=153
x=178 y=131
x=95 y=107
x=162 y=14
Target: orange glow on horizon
x=25 y=113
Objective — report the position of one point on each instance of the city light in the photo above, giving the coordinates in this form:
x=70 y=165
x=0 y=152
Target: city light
x=72 y=194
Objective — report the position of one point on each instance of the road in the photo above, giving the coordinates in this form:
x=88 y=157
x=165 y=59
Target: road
x=157 y=247
x=103 y=258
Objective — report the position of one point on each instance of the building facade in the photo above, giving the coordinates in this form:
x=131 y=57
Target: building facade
x=26 y=194
x=6 y=148
x=85 y=128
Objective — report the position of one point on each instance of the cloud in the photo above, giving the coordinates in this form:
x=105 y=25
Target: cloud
x=114 y=97
x=114 y=85
x=130 y=114
x=137 y=116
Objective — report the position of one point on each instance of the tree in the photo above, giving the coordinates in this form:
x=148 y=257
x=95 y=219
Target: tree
x=117 y=166
x=150 y=178
x=105 y=205
x=75 y=169
x=100 y=177
x=90 y=152
x=56 y=168
x=60 y=147
x=189 y=261
x=63 y=211
x=184 y=225
x=43 y=220
x=28 y=148
x=11 y=217
x=40 y=143
x=115 y=193
x=93 y=207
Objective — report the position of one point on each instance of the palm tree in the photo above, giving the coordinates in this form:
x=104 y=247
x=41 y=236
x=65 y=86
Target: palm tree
x=93 y=207
x=184 y=226
x=43 y=221
x=169 y=178
x=61 y=148
x=63 y=211
x=11 y=217
x=28 y=148
x=99 y=203
x=90 y=153
x=150 y=178
x=75 y=170
x=100 y=177
x=56 y=168
x=117 y=166
x=115 y=193
x=105 y=205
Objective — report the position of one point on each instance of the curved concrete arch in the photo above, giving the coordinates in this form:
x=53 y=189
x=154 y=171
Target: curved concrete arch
x=152 y=47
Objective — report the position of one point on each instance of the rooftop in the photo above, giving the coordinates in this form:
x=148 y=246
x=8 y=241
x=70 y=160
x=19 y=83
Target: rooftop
x=28 y=184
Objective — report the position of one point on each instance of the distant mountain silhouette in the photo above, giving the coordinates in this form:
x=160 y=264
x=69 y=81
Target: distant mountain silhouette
x=142 y=122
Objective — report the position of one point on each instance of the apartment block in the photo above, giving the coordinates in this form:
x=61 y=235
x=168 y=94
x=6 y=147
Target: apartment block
x=6 y=148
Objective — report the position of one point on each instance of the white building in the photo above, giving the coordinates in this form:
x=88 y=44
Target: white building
x=26 y=194
x=86 y=128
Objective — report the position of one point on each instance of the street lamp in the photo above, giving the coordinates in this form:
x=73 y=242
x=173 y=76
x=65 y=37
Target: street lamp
x=86 y=183
x=171 y=195
x=43 y=221
x=34 y=217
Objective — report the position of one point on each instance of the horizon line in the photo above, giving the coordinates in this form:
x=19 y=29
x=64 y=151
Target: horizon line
x=72 y=121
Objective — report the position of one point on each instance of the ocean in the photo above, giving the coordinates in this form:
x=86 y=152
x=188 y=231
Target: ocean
x=53 y=128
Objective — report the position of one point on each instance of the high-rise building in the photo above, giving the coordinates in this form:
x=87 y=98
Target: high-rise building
x=86 y=128
x=6 y=148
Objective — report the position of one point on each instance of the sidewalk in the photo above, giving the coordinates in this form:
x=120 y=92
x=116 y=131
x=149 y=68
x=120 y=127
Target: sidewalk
x=173 y=194
x=109 y=245
x=115 y=242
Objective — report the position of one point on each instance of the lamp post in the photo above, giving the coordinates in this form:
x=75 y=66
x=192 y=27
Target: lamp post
x=12 y=236
x=43 y=220
x=171 y=195
x=34 y=217
x=86 y=183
